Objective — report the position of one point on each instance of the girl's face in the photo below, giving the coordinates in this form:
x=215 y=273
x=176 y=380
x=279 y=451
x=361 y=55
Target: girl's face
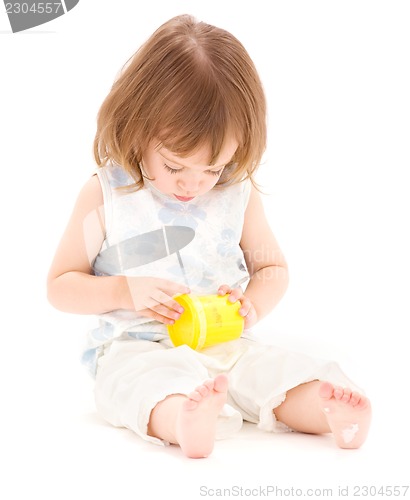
x=184 y=178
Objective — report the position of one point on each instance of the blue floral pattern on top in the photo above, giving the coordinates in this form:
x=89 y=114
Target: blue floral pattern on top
x=119 y=178
x=181 y=214
x=227 y=246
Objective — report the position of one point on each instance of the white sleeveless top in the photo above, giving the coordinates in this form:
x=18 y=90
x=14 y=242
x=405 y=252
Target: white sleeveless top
x=148 y=233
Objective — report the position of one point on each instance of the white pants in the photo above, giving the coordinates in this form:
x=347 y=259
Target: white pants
x=134 y=375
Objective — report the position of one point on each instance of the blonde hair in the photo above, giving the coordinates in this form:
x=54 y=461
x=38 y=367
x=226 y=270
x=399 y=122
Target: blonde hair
x=191 y=85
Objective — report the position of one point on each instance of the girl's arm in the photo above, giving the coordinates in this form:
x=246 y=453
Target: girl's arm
x=266 y=263
x=72 y=286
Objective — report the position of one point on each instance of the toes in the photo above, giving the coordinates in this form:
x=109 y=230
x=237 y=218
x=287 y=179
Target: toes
x=363 y=403
x=344 y=395
x=326 y=390
x=209 y=384
x=195 y=396
x=338 y=393
x=221 y=383
x=203 y=390
x=355 y=399
x=347 y=394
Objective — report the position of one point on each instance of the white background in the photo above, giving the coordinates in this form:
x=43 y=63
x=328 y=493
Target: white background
x=337 y=80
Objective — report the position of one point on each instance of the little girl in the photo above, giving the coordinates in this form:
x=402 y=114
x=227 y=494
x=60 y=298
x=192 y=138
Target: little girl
x=173 y=208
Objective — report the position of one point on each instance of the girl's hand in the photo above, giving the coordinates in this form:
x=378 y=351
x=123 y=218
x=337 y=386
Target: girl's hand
x=152 y=298
x=247 y=310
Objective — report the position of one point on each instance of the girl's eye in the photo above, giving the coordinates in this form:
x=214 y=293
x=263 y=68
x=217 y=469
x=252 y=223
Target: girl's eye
x=216 y=172
x=171 y=170
x=176 y=170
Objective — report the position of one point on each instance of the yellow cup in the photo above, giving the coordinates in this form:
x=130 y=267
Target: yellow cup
x=207 y=320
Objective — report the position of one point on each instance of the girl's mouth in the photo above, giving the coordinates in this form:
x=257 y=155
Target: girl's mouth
x=184 y=198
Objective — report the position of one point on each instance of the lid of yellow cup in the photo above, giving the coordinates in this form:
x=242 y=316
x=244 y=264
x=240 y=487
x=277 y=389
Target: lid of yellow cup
x=190 y=328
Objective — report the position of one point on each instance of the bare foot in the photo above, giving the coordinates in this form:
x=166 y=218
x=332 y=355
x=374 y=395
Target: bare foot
x=348 y=414
x=196 y=421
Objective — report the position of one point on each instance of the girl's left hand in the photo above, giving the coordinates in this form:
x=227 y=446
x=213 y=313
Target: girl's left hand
x=247 y=310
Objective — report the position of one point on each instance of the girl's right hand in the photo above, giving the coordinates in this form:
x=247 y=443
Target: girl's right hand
x=152 y=298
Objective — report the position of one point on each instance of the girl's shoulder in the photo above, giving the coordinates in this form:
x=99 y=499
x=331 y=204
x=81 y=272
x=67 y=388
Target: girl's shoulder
x=114 y=176
x=90 y=196
x=240 y=191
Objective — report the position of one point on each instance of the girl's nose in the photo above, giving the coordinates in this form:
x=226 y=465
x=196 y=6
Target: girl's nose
x=190 y=182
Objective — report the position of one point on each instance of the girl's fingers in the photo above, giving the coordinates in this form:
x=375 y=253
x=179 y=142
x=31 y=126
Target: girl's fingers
x=236 y=294
x=149 y=313
x=224 y=289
